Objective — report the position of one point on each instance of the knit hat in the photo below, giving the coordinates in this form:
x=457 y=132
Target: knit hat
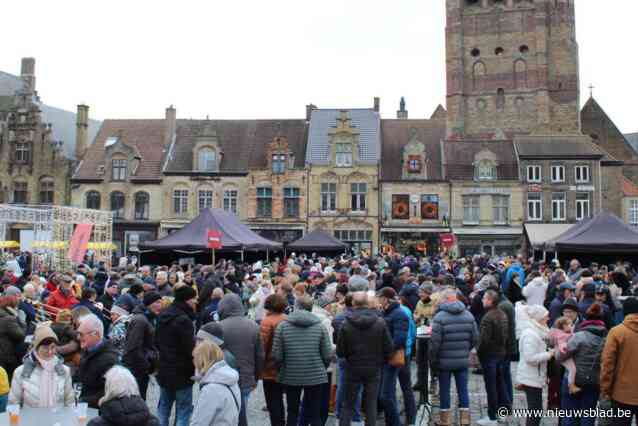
x=151 y=297
x=212 y=331
x=630 y=306
x=184 y=293
x=12 y=291
x=537 y=312
x=41 y=333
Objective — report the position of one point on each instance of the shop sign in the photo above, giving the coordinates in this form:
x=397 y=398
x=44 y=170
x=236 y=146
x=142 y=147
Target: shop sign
x=534 y=188
x=447 y=240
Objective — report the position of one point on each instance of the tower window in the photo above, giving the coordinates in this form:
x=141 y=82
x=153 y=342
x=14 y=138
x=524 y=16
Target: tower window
x=500 y=99
x=476 y=52
x=499 y=51
x=524 y=49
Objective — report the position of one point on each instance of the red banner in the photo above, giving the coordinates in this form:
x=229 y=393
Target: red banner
x=214 y=239
x=448 y=240
x=79 y=242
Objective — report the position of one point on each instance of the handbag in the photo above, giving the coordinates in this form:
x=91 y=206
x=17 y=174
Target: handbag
x=397 y=359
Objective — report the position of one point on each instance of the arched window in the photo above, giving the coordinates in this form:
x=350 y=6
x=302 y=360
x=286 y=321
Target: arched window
x=141 y=205
x=478 y=72
x=520 y=73
x=47 y=185
x=500 y=99
x=93 y=200
x=485 y=170
x=206 y=160
x=117 y=204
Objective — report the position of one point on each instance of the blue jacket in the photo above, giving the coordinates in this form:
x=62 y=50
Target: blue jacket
x=517 y=267
x=338 y=321
x=454 y=334
x=411 y=331
x=555 y=309
x=398 y=324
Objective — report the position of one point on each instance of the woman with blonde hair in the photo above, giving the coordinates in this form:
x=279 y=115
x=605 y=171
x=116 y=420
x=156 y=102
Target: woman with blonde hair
x=122 y=404
x=219 y=397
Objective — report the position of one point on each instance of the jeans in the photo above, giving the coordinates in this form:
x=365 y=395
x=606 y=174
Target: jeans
x=625 y=421
x=445 y=386
x=183 y=399
x=342 y=365
x=405 y=381
x=352 y=384
x=245 y=393
x=389 y=395
x=507 y=378
x=274 y=394
x=534 y=398
x=313 y=407
x=586 y=398
x=494 y=384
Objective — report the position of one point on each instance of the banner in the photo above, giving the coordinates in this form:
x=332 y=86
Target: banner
x=214 y=239
x=80 y=242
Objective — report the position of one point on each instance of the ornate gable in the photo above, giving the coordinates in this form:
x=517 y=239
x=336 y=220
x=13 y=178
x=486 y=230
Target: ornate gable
x=207 y=154
x=344 y=142
x=414 y=159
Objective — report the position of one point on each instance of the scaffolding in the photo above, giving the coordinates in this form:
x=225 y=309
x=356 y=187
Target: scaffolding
x=53 y=228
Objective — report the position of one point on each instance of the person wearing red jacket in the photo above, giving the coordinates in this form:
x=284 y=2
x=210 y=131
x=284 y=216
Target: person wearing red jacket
x=63 y=297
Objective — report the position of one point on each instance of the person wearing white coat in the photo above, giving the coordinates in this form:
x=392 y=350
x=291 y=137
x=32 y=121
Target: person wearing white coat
x=531 y=373
x=535 y=290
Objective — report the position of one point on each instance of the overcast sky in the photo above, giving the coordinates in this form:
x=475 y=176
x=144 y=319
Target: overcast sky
x=268 y=59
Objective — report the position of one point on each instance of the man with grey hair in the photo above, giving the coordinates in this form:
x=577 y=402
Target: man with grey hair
x=161 y=282
x=302 y=349
x=98 y=356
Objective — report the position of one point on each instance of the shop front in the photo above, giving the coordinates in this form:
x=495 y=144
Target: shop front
x=280 y=233
x=127 y=236
x=495 y=241
x=413 y=240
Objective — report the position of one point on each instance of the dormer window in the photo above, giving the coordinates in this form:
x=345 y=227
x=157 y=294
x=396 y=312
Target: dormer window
x=207 y=160
x=118 y=169
x=414 y=164
x=278 y=163
x=485 y=170
x=343 y=157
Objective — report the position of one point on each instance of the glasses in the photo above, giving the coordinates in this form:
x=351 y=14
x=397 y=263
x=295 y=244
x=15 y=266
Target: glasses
x=50 y=348
x=86 y=333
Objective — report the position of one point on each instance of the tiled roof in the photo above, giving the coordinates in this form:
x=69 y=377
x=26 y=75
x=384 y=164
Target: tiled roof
x=557 y=146
x=458 y=159
x=439 y=113
x=243 y=142
x=632 y=138
x=629 y=189
x=145 y=136
x=9 y=84
x=396 y=134
x=367 y=121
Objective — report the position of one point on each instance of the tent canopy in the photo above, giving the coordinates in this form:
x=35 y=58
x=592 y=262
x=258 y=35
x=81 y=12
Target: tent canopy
x=318 y=240
x=602 y=233
x=194 y=236
x=540 y=233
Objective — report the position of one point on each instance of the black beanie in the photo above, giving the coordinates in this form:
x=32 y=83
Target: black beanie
x=184 y=293
x=151 y=297
x=630 y=306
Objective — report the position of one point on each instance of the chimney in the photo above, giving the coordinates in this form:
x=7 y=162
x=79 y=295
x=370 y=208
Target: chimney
x=402 y=113
x=27 y=73
x=377 y=103
x=309 y=109
x=169 y=125
x=81 y=131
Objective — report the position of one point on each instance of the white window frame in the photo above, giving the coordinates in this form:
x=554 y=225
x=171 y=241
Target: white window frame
x=558 y=173
x=485 y=170
x=207 y=160
x=180 y=201
x=583 y=206
x=501 y=209
x=534 y=173
x=205 y=199
x=471 y=209
x=328 y=197
x=535 y=206
x=231 y=197
x=559 y=205
x=633 y=212
x=581 y=170
x=359 y=192
x=343 y=154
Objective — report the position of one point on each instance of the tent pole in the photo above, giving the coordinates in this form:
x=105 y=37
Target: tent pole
x=267 y=255
x=242 y=255
x=213 y=251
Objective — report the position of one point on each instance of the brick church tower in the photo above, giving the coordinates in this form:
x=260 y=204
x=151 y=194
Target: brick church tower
x=512 y=68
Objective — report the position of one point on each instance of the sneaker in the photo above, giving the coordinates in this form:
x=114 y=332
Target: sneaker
x=486 y=421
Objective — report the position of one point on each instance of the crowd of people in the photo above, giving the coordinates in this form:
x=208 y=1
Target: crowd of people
x=306 y=325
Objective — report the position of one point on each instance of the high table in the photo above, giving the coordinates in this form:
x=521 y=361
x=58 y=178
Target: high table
x=423 y=367
x=64 y=416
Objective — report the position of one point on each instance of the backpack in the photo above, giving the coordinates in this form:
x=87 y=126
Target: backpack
x=591 y=376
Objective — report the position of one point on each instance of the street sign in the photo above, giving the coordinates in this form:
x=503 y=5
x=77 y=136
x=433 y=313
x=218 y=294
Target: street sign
x=214 y=239
x=447 y=240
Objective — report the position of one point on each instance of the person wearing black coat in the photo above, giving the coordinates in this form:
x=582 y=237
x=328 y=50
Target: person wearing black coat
x=127 y=411
x=175 y=342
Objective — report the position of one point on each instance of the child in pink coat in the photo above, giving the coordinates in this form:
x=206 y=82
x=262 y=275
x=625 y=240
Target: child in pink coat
x=559 y=335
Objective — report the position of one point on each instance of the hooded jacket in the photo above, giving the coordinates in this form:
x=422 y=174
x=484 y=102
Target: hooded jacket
x=175 y=342
x=242 y=339
x=535 y=290
x=302 y=349
x=219 y=397
x=126 y=411
x=398 y=324
x=364 y=341
x=617 y=375
x=140 y=353
x=25 y=386
x=532 y=366
x=267 y=332
x=454 y=334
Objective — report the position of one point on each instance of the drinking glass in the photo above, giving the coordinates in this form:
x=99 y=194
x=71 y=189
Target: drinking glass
x=81 y=410
x=14 y=414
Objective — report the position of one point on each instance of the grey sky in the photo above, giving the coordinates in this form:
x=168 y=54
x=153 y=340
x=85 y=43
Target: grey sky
x=259 y=59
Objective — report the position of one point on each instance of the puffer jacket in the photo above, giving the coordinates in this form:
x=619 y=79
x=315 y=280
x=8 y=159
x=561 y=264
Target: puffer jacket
x=454 y=334
x=219 y=398
x=25 y=386
x=267 y=331
x=126 y=411
x=532 y=366
x=302 y=349
x=617 y=375
x=398 y=324
x=535 y=290
x=586 y=346
x=12 y=332
x=175 y=342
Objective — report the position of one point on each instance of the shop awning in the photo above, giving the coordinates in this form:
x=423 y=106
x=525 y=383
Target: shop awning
x=539 y=233
x=415 y=229
x=505 y=230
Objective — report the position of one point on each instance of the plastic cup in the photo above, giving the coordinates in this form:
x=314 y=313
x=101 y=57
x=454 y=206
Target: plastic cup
x=81 y=412
x=14 y=414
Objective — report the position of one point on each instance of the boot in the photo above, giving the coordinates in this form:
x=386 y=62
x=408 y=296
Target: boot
x=464 y=417
x=445 y=418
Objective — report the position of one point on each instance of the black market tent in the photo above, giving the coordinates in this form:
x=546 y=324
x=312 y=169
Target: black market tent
x=317 y=240
x=604 y=233
x=194 y=236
